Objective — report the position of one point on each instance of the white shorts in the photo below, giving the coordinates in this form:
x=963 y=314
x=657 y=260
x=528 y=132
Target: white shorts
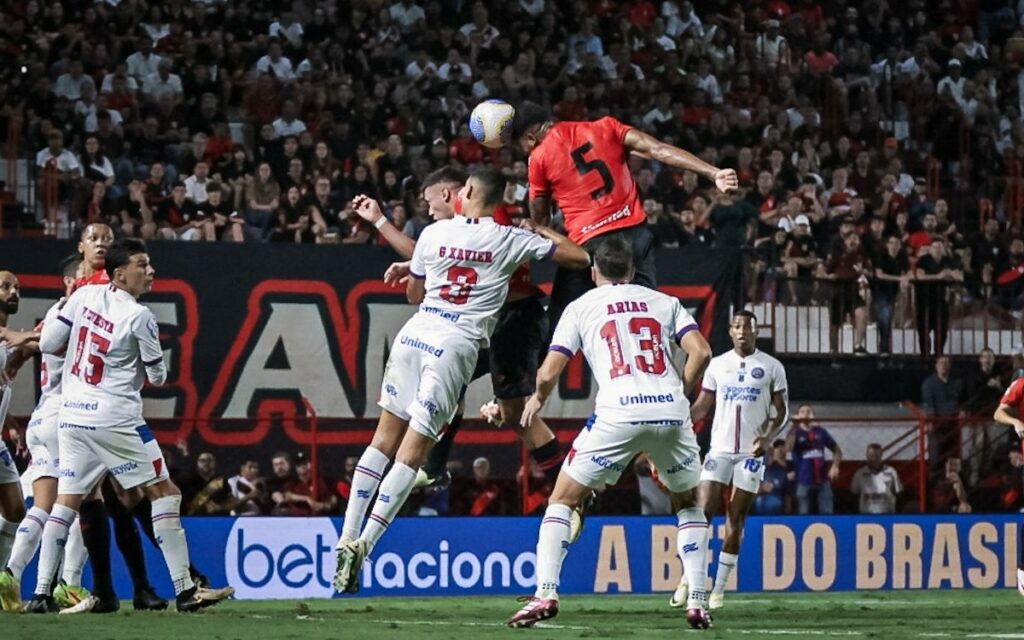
x=600 y=453
x=41 y=438
x=425 y=375
x=742 y=470
x=8 y=472
x=130 y=453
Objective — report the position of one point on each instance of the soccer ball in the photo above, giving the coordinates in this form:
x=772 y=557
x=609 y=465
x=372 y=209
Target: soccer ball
x=491 y=123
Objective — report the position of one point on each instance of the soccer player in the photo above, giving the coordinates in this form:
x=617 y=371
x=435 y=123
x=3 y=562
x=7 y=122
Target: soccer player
x=1009 y=412
x=514 y=353
x=113 y=346
x=460 y=275
x=12 y=504
x=743 y=386
x=625 y=332
x=583 y=168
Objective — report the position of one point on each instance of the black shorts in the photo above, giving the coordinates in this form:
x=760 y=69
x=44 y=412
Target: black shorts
x=515 y=351
x=570 y=284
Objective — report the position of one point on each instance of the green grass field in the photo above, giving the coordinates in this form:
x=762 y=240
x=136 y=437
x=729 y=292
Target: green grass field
x=909 y=615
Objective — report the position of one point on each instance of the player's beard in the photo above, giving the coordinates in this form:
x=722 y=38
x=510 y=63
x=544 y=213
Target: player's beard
x=9 y=307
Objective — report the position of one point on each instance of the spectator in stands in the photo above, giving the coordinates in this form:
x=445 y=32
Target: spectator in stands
x=176 y=217
x=137 y=219
x=775 y=496
x=281 y=464
x=220 y=220
x=691 y=234
x=734 y=221
x=479 y=495
x=984 y=385
x=934 y=272
x=848 y=270
x=949 y=493
x=59 y=170
x=196 y=184
x=343 y=488
x=247 y=489
x=940 y=400
x=302 y=496
x=891 y=281
x=808 y=442
x=876 y=483
x=205 y=492
x=664 y=227
x=262 y=198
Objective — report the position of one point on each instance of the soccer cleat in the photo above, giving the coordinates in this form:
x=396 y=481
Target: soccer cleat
x=42 y=604
x=578 y=516
x=350 y=562
x=439 y=482
x=69 y=596
x=1020 y=581
x=198 y=598
x=147 y=600
x=198 y=578
x=106 y=605
x=10 y=592
x=698 y=618
x=681 y=594
x=535 y=610
x=716 y=600
x=85 y=605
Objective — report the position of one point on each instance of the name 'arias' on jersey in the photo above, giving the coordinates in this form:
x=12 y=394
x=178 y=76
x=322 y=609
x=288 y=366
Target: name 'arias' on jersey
x=626 y=333
x=467 y=263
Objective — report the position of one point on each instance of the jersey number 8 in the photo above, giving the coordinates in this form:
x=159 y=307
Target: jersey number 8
x=461 y=281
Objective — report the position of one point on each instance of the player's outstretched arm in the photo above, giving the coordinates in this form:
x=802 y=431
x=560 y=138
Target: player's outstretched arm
x=54 y=336
x=698 y=355
x=649 y=147
x=567 y=253
x=547 y=378
x=1003 y=416
x=369 y=210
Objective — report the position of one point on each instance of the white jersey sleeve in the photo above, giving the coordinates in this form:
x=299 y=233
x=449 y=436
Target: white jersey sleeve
x=147 y=333
x=682 y=322
x=567 y=339
x=54 y=336
x=50 y=370
x=526 y=245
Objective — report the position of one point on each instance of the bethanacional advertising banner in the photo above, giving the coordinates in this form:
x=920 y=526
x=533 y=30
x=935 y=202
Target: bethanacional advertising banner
x=286 y=558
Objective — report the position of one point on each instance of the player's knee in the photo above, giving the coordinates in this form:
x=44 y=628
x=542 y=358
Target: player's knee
x=162 y=489
x=14 y=512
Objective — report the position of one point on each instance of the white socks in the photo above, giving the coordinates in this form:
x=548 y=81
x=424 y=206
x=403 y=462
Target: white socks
x=394 y=491
x=75 y=555
x=171 y=537
x=726 y=563
x=692 y=546
x=367 y=477
x=55 y=537
x=552 y=545
x=27 y=541
x=8 y=530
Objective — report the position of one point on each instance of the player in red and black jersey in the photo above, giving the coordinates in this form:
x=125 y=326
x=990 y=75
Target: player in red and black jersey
x=583 y=168
x=1011 y=413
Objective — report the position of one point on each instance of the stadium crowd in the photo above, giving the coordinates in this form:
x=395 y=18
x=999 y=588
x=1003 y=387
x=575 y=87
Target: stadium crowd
x=850 y=123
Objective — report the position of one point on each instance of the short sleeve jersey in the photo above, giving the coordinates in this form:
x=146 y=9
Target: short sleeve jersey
x=1014 y=396
x=467 y=264
x=583 y=167
x=626 y=333
x=113 y=338
x=743 y=388
x=51 y=371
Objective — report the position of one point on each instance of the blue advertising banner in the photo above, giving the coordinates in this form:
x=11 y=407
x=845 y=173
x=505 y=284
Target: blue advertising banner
x=268 y=558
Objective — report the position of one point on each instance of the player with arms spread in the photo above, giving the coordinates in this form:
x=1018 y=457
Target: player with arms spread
x=625 y=331
x=743 y=386
x=113 y=345
x=460 y=275
x=583 y=168
x=1009 y=412
x=516 y=344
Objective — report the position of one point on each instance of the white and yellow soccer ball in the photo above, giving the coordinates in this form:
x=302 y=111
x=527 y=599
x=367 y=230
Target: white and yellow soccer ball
x=491 y=123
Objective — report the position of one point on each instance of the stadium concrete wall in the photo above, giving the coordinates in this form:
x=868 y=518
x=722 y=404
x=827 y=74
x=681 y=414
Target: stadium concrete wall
x=293 y=558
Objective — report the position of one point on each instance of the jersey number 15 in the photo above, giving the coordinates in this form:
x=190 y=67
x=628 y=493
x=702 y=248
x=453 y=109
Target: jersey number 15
x=97 y=346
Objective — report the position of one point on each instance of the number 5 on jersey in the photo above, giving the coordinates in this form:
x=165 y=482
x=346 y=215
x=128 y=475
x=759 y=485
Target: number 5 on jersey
x=97 y=346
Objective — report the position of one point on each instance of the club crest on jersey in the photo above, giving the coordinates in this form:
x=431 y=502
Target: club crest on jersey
x=757 y=373
x=711 y=464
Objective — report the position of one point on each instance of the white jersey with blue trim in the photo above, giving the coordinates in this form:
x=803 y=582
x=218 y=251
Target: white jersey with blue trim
x=112 y=345
x=626 y=333
x=743 y=388
x=52 y=369
x=467 y=264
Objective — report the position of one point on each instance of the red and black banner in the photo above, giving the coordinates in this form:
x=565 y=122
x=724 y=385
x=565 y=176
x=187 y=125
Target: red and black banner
x=250 y=331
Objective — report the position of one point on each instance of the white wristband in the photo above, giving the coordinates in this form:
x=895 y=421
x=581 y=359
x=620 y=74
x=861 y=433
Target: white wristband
x=381 y=221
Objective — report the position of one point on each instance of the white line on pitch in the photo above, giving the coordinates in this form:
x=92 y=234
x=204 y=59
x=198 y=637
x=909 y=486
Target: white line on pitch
x=445 y=623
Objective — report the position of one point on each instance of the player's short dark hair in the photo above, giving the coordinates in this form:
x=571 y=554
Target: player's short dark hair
x=68 y=267
x=875 y=445
x=614 y=258
x=528 y=114
x=493 y=183
x=445 y=175
x=85 y=229
x=121 y=252
x=746 y=313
